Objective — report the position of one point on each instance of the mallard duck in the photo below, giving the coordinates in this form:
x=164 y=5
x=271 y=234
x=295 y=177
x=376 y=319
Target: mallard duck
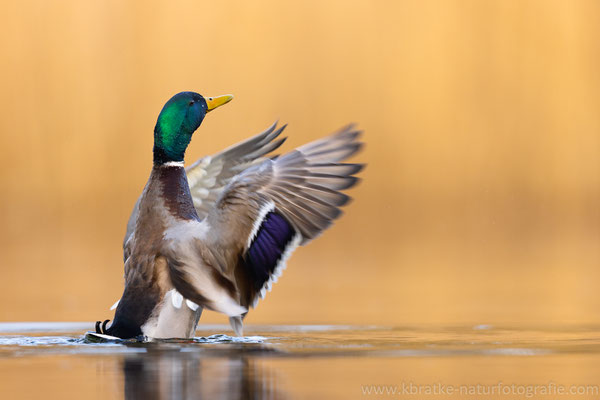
x=217 y=234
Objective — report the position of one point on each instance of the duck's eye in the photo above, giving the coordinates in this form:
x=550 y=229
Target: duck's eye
x=191 y=102
x=210 y=99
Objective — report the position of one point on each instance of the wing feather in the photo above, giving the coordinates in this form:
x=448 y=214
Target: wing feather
x=302 y=188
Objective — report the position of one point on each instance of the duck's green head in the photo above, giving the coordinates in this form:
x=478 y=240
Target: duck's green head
x=178 y=120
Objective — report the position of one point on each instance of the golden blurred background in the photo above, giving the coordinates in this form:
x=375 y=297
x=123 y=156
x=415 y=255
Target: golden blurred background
x=480 y=203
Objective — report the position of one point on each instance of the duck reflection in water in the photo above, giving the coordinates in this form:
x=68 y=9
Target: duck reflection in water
x=186 y=373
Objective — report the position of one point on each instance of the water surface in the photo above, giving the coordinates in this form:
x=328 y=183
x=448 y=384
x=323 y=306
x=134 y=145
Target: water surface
x=54 y=360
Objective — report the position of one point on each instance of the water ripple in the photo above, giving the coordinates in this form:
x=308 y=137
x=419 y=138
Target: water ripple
x=39 y=341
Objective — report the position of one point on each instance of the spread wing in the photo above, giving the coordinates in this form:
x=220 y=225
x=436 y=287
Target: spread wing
x=208 y=176
x=272 y=207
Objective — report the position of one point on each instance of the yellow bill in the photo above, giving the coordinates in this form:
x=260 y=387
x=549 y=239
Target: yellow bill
x=214 y=102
